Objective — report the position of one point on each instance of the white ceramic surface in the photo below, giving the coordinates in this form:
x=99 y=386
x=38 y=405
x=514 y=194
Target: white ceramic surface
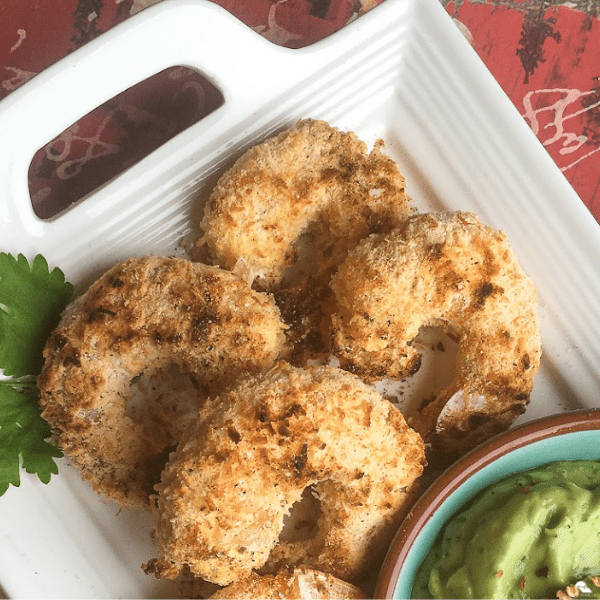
x=402 y=72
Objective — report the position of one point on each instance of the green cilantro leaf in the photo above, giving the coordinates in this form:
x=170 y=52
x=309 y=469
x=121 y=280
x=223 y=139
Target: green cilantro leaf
x=24 y=436
x=31 y=300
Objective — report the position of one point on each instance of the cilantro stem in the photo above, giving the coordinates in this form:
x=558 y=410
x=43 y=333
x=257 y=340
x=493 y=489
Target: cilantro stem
x=25 y=383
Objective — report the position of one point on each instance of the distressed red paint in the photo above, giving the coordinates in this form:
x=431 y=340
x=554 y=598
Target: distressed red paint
x=548 y=62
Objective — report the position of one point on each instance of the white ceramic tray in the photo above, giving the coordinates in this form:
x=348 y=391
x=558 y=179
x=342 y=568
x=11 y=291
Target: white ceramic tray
x=402 y=72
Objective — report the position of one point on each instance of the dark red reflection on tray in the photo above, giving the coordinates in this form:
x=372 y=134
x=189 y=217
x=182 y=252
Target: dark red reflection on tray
x=117 y=135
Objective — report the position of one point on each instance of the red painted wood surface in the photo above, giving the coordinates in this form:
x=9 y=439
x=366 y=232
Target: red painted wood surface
x=546 y=57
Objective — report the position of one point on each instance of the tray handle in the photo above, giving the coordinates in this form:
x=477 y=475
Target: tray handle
x=199 y=34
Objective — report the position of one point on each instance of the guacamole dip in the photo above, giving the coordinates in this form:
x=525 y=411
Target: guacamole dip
x=527 y=536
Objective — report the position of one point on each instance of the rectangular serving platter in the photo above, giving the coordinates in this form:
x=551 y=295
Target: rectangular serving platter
x=403 y=73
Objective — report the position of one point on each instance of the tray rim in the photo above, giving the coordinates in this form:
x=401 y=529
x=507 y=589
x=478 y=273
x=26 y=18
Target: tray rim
x=435 y=11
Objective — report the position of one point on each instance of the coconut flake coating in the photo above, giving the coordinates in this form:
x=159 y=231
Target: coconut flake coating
x=448 y=270
x=290 y=584
x=287 y=212
x=228 y=489
x=136 y=355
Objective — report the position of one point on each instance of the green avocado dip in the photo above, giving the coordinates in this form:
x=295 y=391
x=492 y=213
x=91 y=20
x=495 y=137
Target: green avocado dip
x=527 y=536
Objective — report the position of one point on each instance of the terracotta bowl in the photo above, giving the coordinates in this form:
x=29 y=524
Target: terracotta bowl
x=568 y=436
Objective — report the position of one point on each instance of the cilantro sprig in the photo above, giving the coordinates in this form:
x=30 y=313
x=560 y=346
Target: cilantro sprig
x=24 y=436
x=31 y=300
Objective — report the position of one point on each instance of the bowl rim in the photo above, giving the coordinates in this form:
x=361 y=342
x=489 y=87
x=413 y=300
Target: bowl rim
x=461 y=470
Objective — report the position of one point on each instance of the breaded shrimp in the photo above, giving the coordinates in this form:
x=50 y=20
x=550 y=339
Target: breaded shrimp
x=255 y=451
x=294 y=584
x=449 y=270
x=287 y=212
x=136 y=355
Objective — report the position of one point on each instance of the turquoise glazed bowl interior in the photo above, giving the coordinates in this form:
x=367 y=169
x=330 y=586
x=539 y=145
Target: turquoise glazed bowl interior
x=569 y=436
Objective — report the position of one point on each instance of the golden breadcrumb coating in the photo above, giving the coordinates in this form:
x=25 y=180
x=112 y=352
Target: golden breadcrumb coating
x=134 y=357
x=293 y=584
x=256 y=450
x=287 y=212
x=449 y=270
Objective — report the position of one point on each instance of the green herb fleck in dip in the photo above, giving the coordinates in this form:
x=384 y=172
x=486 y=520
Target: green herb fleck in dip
x=526 y=536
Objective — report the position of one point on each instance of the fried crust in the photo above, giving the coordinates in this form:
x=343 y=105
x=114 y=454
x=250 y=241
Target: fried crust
x=293 y=584
x=154 y=317
x=227 y=490
x=449 y=270
x=287 y=212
